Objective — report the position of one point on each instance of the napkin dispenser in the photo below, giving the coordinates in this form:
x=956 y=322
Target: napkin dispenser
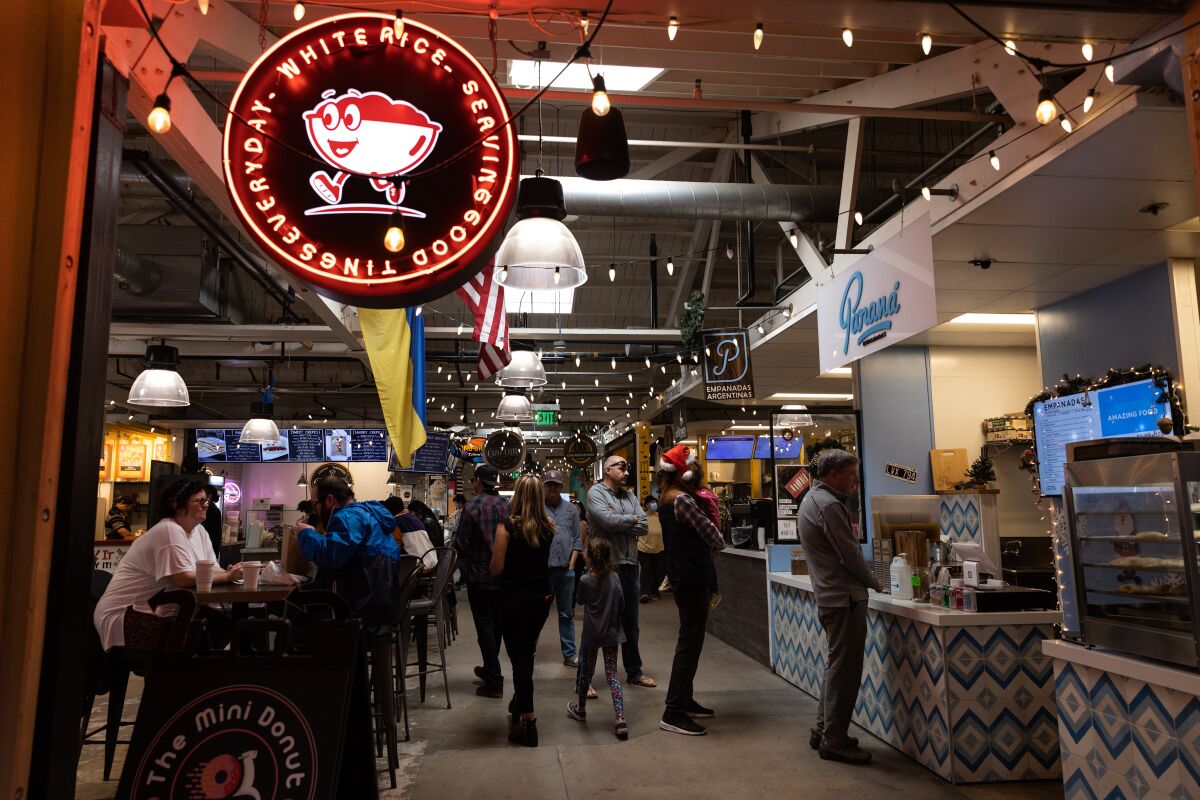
x=971 y=574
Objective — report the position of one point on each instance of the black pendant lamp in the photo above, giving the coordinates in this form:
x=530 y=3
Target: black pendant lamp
x=602 y=147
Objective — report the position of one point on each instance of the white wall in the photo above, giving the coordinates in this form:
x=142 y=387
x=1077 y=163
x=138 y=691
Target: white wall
x=277 y=482
x=970 y=384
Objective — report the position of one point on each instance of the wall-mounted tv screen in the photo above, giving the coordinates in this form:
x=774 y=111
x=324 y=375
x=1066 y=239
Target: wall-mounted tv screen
x=1130 y=409
x=729 y=448
x=783 y=448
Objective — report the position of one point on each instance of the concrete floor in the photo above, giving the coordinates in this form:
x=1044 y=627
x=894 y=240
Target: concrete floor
x=757 y=742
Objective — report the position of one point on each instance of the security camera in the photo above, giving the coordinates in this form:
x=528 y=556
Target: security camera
x=982 y=263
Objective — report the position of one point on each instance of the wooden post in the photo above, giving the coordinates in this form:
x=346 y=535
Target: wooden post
x=1191 y=89
x=49 y=69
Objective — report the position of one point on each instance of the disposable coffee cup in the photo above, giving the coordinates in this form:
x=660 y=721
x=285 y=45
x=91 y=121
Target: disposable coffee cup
x=250 y=572
x=204 y=575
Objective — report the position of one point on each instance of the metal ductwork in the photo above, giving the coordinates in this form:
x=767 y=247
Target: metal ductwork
x=136 y=275
x=700 y=200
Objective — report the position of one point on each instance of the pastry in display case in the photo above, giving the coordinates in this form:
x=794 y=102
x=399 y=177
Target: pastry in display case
x=1133 y=524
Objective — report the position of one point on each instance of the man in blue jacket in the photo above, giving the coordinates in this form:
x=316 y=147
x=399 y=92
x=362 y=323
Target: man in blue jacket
x=358 y=552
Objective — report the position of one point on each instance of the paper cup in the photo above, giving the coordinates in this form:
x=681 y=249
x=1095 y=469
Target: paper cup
x=204 y=575
x=250 y=572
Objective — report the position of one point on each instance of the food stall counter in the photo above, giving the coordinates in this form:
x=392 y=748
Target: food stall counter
x=968 y=695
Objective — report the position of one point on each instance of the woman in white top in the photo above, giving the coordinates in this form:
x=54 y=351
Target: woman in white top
x=164 y=557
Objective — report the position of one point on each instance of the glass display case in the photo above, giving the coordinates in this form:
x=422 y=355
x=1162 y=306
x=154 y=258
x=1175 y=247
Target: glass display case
x=1133 y=524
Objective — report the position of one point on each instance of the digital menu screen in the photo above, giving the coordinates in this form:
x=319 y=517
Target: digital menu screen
x=1127 y=410
x=306 y=444
x=783 y=448
x=337 y=444
x=236 y=451
x=210 y=444
x=277 y=452
x=368 y=445
x=729 y=448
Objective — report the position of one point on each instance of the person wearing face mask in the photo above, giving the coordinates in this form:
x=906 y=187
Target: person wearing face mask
x=358 y=552
x=613 y=513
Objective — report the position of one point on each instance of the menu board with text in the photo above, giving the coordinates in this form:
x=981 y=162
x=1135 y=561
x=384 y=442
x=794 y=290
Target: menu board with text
x=238 y=451
x=1130 y=409
x=306 y=444
x=431 y=456
x=337 y=444
x=368 y=445
x=131 y=462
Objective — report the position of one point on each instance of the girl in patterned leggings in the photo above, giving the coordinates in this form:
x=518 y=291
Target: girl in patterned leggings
x=600 y=595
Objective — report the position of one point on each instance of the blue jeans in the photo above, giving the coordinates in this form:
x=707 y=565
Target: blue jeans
x=562 y=582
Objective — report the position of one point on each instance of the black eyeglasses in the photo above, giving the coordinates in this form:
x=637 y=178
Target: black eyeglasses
x=619 y=465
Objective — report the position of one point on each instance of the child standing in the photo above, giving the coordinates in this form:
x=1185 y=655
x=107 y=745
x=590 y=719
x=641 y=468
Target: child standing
x=600 y=595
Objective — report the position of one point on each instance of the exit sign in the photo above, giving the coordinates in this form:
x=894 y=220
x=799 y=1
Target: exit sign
x=543 y=417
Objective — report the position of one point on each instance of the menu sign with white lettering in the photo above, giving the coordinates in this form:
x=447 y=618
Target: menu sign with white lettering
x=368 y=445
x=306 y=444
x=238 y=451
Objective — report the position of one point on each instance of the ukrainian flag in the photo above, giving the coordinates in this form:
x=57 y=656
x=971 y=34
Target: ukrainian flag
x=395 y=342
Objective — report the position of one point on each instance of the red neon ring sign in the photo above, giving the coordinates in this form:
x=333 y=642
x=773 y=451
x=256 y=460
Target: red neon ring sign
x=340 y=127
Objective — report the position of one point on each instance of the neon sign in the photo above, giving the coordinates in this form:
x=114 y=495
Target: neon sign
x=342 y=127
x=232 y=493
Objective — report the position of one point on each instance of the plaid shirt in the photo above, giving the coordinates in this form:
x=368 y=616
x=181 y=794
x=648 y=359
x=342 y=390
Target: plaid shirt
x=473 y=540
x=689 y=513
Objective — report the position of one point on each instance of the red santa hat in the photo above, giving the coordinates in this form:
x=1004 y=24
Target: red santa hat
x=679 y=459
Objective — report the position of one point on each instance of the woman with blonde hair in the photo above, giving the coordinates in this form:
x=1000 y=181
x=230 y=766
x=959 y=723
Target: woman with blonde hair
x=520 y=554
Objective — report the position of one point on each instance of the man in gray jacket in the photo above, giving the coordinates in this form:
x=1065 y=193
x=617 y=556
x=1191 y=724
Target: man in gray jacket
x=840 y=577
x=613 y=513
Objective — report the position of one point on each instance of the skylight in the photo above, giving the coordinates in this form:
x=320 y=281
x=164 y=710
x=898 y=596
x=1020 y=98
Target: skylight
x=524 y=75
x=560 y=302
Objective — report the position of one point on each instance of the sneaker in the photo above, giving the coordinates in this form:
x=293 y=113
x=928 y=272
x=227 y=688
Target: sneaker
x=680 y=723
x=694 y=710
x=847 y=753
x=572 y=662
x=814 y=739
x=575 y=712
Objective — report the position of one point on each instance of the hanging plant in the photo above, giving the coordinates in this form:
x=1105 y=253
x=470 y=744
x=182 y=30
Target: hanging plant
x=692 y=321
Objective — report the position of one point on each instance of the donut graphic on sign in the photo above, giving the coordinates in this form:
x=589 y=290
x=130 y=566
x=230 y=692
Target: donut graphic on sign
x=371 y=135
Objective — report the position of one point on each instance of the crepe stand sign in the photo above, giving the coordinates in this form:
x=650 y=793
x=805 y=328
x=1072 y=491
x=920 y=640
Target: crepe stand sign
x=354 y=124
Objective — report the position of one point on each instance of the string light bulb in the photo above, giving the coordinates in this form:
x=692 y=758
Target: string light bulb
x=647 y=362
x=1110 y=72
x=614 y=362
x=1087 y=51
x=418 y=311
x=858 y=218
x=670 y=266
x=672 y=28
x=203 y=6
x=612 y=272
x=1010 y=47
x=848 y=37
x=600 y=102
x=759 y=33
x=1089 y=101
x=1046 y=110
x=928 y=195
x=393 y=240
x=397 y=26
x=1065 y=122
x=994 y=160
x=794 y=238
x=298 y=11
x=761 y=329
x=159 y=118
x=577 y=359
x=926 y=43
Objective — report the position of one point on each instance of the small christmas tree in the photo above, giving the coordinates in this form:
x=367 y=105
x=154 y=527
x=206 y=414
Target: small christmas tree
x=982 y=471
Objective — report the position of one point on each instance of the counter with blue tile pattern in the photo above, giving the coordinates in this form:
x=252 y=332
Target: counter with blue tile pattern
x=1128 y=727
x=970 y=696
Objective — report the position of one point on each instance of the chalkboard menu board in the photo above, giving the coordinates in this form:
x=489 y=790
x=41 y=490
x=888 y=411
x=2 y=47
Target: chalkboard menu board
x=236 y=451
x=432 y=456
x=305 y=444
x=368 y=445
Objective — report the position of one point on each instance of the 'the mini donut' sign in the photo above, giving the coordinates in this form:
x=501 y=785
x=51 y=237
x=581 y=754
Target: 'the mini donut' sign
x=348 y=126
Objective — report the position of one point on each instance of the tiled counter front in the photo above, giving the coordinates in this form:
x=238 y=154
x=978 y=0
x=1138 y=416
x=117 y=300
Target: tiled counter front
x=971 y=699
x=1129 y=728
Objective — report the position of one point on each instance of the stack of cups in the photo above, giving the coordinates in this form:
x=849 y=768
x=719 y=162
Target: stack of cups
x=250 y=572
x=204 y=575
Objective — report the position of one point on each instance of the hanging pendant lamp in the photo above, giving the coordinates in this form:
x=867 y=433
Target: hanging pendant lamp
x=524 y=371
x=514 y=407
x=540 y=253
x=601 y=146
x=260 y=428
x=159 y=385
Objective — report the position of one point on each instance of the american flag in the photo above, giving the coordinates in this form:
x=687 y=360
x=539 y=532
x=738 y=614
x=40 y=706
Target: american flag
x=484 y=296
